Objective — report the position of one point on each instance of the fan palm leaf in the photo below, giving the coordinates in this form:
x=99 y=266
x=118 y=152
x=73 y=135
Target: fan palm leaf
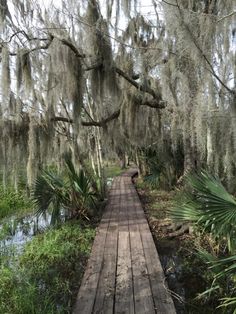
x=81 y=184
x=49 y=191
x=74 y=193
x=207 y=203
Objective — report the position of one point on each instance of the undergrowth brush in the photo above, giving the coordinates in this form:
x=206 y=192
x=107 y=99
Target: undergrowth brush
x=12 y=202
x=46 y=277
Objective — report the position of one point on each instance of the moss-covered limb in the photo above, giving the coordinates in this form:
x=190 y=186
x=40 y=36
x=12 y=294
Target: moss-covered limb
x=101 y=123
x=140 y=87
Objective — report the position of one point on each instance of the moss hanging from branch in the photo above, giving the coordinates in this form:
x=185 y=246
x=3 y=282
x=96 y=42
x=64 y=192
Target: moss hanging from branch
x=23 y=71
x=103 y=77
x=3 y=12
x=33 y=151
x=5 y=75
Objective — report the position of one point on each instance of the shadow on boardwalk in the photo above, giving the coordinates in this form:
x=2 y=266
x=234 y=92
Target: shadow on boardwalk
x=124 y=274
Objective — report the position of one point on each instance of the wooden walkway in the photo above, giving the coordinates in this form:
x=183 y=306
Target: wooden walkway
x=124 y=274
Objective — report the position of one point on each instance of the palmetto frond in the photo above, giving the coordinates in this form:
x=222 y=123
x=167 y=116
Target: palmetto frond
x=225 y=266
x=153 y=179
x=49 y=191
x=73 y=193
x=229 y=302
x=81 y=183
x=207 y=203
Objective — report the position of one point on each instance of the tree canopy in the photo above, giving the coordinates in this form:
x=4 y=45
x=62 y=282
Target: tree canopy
x=115 y=77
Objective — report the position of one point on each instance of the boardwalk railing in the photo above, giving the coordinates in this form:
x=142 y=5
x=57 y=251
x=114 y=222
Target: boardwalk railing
x=124 y=274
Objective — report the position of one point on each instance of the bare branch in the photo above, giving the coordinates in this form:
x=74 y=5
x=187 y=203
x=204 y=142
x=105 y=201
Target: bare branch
x=69 y=44
x=157 y=104
x=174 y=5
x=45 y=47
x=226 y=16
x=62 y=119
x=101 y=123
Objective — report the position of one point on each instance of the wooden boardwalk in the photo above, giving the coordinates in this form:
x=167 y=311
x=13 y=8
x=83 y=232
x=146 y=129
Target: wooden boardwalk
x=124 y=274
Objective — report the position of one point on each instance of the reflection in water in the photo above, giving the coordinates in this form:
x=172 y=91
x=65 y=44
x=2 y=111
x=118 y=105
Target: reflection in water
x=17 y=231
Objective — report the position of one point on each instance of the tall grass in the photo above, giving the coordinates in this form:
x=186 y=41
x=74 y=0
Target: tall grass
x=12 y=202
x=46 y=277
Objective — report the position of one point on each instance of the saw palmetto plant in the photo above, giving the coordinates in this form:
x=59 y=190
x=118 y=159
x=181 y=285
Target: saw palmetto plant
x=208 y=205
x=211 y=209
x=72 y=193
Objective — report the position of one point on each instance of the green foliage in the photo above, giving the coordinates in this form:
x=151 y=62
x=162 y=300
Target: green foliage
x=47 y=276
x=112 y=171
x=81 y=188
x=12 y=202
x=229 y=303
x=49 y=192
x=206 y=203
x=162 y=168
x=8 y=229
x=20 y=296
x=222 y=271
x=73 y=193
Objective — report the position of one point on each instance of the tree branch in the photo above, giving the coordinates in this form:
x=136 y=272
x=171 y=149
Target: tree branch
x=212 y=71
x=101 y=123
x=61 y=119
x=226 y=16
x=69 y=44
x=45 y=47
x=157 y=104
x=93 y=66
x=140 y=87
x=174 y=5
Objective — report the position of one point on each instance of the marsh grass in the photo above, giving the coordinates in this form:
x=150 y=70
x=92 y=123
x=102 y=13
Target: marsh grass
x=46 y=277
x=112 y=170
x=13 y=203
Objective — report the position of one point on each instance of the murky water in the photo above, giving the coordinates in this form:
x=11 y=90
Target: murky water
x=184 y=285
x=172 y=265
x=18 y=231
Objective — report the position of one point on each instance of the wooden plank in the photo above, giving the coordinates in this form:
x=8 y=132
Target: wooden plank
x=104 y=301
x=124 y=302
x=142 y=290
x=124 y=274
x=124 y=299
x=88 y=288
x=87 y=292
x=162 y=299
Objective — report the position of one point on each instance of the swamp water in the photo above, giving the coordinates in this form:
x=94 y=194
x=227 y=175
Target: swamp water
x=172 y=266
x=184 y=286
x=16 y=232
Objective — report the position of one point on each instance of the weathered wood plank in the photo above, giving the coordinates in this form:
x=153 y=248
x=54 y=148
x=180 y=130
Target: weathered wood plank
x=104 y=301
x=162 y=299
x=142 y=290
x=88 y=289
x=124 y=274
x=124 y=299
